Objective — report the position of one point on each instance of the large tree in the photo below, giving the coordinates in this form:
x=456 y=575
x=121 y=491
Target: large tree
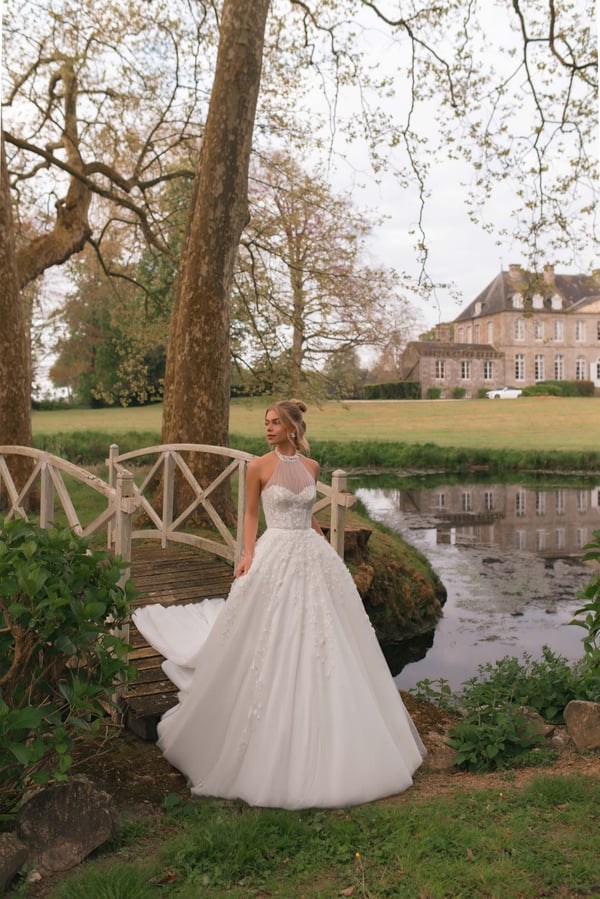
x=304 y=283
x=15 y=379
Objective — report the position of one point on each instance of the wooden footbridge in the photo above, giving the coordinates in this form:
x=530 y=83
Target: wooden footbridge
x=170 y=558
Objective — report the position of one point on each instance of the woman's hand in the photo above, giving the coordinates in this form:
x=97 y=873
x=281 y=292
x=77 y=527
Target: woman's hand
x=243 y=566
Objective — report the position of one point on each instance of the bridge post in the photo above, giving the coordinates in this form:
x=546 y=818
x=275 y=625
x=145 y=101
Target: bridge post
x=338 y=511
x=125 y=506
x=46 y=496
x=168 y=497
x=113 y=452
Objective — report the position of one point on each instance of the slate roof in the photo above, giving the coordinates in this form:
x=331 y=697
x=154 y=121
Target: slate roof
x=496 y=297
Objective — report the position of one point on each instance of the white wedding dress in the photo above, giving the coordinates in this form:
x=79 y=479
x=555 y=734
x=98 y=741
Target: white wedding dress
x=285 y=698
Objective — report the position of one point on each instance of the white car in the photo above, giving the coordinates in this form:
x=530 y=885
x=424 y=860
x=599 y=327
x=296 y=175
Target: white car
x=504 y=393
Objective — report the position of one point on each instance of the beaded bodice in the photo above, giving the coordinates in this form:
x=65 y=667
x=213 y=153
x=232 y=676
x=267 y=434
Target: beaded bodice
x=289 y=494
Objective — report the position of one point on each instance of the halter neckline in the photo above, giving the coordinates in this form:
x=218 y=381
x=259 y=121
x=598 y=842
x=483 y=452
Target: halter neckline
x=285 y=458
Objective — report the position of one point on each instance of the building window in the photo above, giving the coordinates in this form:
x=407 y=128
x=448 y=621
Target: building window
x=598 y=370
x=469 y=334
x=537 y=301
x=538 y=330
x=465 y=369
x=519 y=329
x=440 y=500
x=559 y=368
x=598 y=330
x=490 y=332
x=582 y=500
x=440 y=369
x=556 y=302
x=520 y=503
x=461 y=335
x=465 y=500
x=488 y=501
x=488 y=370
x=520 y=367
x=540 y=540
x=477 y=333
x=540 y=503
x=581 y=537
x=539 y=367
x=559 y=502
x=579 y=331
x=560 y=537
x=517 y=301
x=520 y=541
x=559 y=330
x=580 y=367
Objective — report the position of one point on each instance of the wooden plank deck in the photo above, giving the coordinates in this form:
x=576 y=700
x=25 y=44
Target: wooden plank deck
x=167 y=576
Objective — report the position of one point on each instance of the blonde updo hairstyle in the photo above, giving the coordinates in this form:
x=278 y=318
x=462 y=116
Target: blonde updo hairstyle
x=290 y=414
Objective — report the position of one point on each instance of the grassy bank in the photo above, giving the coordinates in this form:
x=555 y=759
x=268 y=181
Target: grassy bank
x=501 y=843
x=537 y=433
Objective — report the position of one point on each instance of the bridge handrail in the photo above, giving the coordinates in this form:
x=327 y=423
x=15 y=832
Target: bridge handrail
x=334 y=496
x=124 y=498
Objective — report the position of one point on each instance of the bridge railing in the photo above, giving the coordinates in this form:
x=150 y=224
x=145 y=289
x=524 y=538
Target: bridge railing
x=45 y=491
x=146 y=510
x=166 y=464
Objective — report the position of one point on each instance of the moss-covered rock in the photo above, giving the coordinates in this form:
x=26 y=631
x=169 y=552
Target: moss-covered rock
x=402 y=594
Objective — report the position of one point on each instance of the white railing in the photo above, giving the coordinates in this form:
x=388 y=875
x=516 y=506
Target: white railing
x=159 y=505
x=146 y=510
x=47 y=474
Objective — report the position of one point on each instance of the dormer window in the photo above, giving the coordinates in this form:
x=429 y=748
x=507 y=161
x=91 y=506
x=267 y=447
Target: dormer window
x=556 y=302
x=478 y=308
x=537 y=301
x=517 y=301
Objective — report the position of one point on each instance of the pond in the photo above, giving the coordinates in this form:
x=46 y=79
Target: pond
x=509 y=555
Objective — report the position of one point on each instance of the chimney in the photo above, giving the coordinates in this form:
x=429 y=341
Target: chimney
x=596 y=276
x=516 y=274
x=442 y=333
x=549 y=275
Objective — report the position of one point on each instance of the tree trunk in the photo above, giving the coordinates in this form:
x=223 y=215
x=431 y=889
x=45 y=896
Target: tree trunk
x=197 y=390
x=15 y=366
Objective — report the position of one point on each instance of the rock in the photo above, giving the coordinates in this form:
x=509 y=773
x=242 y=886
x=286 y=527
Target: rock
x=63 y=823
x=583 y=723
x=535 y=724
x=13 y=855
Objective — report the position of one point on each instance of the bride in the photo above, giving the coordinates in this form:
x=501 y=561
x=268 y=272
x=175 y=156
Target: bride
x=285 y=698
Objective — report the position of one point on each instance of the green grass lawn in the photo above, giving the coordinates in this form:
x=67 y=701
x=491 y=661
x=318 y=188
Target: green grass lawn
x=528 y=423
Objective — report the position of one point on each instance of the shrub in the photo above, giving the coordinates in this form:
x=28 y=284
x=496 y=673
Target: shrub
x=59 y=657
x=590 y=613
x=434 y=393
x=493 y=730
x=560 y=388
x=458 y=393
x=393 y=390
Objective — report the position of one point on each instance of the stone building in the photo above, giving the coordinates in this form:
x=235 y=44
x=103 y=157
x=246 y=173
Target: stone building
x=521 y=329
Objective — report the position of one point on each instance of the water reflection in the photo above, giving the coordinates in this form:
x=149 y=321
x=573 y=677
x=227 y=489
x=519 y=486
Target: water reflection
x=509 y=556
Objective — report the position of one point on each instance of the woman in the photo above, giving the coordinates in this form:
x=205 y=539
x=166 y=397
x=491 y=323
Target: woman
x=285 y=697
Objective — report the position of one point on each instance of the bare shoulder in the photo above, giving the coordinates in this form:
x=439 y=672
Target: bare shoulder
x=312 y=465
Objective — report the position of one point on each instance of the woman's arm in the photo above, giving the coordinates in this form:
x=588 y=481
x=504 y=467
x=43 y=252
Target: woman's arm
x=253 y=490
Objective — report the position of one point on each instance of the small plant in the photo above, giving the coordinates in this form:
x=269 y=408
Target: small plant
x=458 y=393
x=434 y=393
x=60 y=601
x=494 y=729
x=591 y=610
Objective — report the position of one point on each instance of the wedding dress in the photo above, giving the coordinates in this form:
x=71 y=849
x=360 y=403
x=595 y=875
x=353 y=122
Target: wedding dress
x=285 y=698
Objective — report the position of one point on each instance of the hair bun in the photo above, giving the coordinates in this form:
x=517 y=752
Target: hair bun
x=302 y=406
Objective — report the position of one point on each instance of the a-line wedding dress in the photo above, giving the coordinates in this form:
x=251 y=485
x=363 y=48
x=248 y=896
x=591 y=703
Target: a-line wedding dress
x=285 y=698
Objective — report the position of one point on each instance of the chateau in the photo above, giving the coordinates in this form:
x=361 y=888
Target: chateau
x=521 y=329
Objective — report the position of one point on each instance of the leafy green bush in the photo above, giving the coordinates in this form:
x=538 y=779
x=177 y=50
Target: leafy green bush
x=458 y=393
x=591 y=613
x=560 y=388
x=434 y=393
x=59 y=657
x=494 y=730
x=393 y=390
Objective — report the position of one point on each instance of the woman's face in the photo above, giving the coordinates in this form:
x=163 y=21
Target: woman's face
x=275 y=430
